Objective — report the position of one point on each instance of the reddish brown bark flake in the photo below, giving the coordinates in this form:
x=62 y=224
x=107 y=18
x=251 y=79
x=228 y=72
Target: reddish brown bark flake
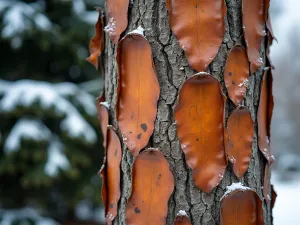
x=254 y=19
x=96 y=45
x=117 y=18
x=240 y=130
x=264 y=115
x=182 y=220
x=103 y=117
x=236 y=74
x=199 y=117
x=199 y=27
x=138 y=91
x=242 y=207
x=152 y=186
x=110 y=173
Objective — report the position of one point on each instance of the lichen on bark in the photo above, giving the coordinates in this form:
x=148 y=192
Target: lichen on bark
x=172 y=70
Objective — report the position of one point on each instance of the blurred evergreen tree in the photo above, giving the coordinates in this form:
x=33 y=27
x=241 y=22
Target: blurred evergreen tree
x=50 y=146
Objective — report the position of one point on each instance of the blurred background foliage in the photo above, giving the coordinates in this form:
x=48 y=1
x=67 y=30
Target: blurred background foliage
x=50 y=141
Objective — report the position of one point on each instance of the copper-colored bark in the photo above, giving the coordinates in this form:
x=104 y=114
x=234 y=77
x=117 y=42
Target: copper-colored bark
x=152 y=186
x=112 y=175
x=96 y=45
x=138 y=91
x=266 y=187
x=264 y=115
x=199 y=27
x=254 y=19
x=182 y=220
x=117 y=18
x=241 y=207
x=236 y=74
x=273 y=196
x=103 y=117
x=270 y=39
x=240 y=129
x=199 y=117
x=104 y=189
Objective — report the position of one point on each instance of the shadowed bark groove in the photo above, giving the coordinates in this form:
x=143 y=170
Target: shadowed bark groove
x=172 y=70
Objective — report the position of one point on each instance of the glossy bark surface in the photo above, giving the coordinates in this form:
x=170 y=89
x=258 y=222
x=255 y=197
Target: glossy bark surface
x=240 y=130
x=199 y=27
x=199 y=117
x=241 y=207
x=138 y=92
x=152 y=186
x=236 y=74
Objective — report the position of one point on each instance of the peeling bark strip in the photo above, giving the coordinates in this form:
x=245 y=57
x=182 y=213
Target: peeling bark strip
x=199 y=27
x=264 y=115
x=199 y=117
x=138 y=91
x=270 y=39
x=242 y=207
x=240 y=129
x=104 y=189
x=103 y=118
x=182 y=220
x=267 y=185
x=152 y=186
x=274 y=196
x=112 y=175
x=117 y=18
x=236 y=74
x=254 y=19
x=96 y=45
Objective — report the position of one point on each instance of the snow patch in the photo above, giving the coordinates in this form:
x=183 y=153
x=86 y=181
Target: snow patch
x=181 y=213
x=106 y=104
x=233 y=187
x=139 y=31
x=201 y=73
x=25 y=93
x=26 y=129
x=56 y=159
x=110 y=28
x=19 y=17
x=244 y=83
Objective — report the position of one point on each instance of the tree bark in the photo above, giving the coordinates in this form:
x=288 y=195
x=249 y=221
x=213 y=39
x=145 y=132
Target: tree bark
x=169 y=59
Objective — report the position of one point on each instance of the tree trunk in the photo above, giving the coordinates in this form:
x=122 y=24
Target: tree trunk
x=169 y=59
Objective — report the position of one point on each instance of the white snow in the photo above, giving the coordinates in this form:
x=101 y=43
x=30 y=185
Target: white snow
x=82 y=98
x=56 y=159
x=27 y=92
x=181 y=213
x=34 y=129
x=19 y=17
x=233 y=187
x=110 y=28
x=9 y=217
x=140 y=30
x=26 y=129
x=106 y=104
x=232 y=159
x=244 y=83
x=202 y=73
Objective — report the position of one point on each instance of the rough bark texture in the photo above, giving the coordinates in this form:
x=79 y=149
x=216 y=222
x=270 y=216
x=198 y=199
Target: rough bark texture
x=173 y=69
